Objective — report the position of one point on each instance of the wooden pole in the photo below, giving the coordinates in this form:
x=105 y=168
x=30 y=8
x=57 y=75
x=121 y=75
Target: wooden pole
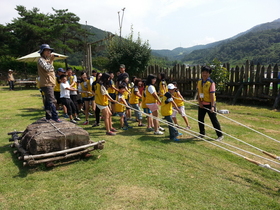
x=28 y=157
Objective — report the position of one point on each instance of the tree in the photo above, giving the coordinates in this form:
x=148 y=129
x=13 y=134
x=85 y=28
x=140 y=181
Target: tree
x=134 y=54
x=219 y=74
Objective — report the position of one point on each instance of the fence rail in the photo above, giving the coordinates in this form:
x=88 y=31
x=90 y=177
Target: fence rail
x=248 y=82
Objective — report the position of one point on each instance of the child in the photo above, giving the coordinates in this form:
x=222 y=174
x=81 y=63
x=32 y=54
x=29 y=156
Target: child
x=65 y=89
x=120 y=109
x=101 y=98
x=134 y=101
x=152 y=101
x=85 y=89
x=97 y=110
x=124 y=82
x=179 y=101
x=162 y=85
x=166 y=111
x=112 y=92
x=150 y=124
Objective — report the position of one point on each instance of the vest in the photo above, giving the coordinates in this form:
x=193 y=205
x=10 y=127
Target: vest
x=57 y=85
x=134 y=99
x=144 y=106
x=86 y=88
x=119 y=107
x=149 y=97
x=166 y=109
x=70 y=80
x=205 y=89
x=99 y=98
x=178 y=101
x=161 y=89
x=47 y=78
x=110 y=89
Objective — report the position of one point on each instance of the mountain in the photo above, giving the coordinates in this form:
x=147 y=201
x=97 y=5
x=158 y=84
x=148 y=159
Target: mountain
x=180 y=53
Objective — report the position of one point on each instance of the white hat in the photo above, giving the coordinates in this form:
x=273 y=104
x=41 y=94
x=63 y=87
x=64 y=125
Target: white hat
x=171 y=86
x=10 y=70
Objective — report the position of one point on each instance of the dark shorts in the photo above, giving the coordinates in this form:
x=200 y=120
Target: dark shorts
x=121 y=114
x=88 y=99
x=57 y=97
x=127 y=101
x=113 y=96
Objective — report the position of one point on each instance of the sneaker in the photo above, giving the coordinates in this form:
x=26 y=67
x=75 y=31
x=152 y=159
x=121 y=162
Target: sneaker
x=141 y=125
x=77 y=119
x=150 y=129
x=175 y=139
x=65 y=116
x=110 y=133
x=95 y=124
x=220 y=138
x=158 y=133
x=161 y=129
x=200 y=136
x=73 y=121
x=113 y=130
x=58 y=120
x=90 y=113
x=129 y=126
x=124 y=128
x=86 y=122
x=188 y=127
x=180 y=134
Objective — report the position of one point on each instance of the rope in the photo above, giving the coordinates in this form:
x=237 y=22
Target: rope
x=183 y=129
x=58 y=129
x=236 y=122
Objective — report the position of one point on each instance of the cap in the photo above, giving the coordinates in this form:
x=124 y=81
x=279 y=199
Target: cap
x=171 y=86
x=45 y=46
x=10 y=70
x=61 y=70
x=122 y=66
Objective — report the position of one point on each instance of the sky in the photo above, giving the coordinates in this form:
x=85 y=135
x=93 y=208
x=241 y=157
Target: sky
x=165 y=24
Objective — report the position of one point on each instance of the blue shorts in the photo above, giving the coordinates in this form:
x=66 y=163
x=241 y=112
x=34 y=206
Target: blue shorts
x=147 y=111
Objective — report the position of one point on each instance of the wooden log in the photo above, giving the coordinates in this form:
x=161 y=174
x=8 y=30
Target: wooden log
x=28 y=157
x=34 y=162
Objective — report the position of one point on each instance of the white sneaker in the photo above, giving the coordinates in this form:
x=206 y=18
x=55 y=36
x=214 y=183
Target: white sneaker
x=161 y=129
x=158 y=133
x=73 y=121
x=220 y=138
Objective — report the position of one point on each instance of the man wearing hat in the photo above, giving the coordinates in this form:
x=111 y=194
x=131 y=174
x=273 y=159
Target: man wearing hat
x=11 y=79
x=47 y=80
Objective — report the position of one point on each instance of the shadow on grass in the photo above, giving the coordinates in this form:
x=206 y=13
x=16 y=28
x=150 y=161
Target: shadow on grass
x=33 y=113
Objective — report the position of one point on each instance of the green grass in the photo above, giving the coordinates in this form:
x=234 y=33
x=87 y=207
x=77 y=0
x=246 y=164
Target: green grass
x=138 y=170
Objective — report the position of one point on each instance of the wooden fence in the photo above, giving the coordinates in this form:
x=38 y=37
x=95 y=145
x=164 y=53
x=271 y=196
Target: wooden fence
x=249 y=82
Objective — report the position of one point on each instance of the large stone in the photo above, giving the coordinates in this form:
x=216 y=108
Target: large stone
x=48 y=136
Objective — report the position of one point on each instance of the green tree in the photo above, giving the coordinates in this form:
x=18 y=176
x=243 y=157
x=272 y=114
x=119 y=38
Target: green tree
x=219 y=74
x=133 y=53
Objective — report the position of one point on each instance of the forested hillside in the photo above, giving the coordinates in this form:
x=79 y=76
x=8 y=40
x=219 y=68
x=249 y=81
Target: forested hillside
x=262 y=47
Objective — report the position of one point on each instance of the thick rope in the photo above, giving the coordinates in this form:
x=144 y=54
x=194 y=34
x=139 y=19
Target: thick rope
x=236 y=122
x=183 y=130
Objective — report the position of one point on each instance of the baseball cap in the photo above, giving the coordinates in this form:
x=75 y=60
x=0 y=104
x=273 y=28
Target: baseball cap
x=171 y=86
x=61 y=70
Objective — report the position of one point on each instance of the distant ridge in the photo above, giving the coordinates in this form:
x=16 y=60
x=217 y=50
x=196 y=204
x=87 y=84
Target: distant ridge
x=180 y=52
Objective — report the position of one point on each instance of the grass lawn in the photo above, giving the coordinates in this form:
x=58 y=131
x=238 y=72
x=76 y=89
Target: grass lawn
x=138 y=170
